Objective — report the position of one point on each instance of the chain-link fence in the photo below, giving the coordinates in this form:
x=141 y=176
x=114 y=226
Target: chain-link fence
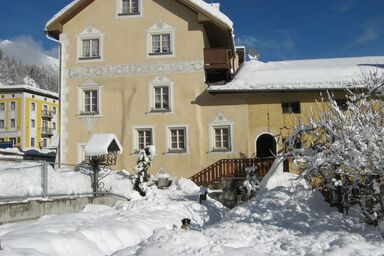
x=26 y=179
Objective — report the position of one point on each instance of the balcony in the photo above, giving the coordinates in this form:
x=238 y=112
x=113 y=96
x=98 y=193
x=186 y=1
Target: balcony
x=47 y=114
x=217 y=58
x=46 y=132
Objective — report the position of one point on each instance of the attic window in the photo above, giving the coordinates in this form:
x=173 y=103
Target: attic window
x=130 y=7
x=291 y=107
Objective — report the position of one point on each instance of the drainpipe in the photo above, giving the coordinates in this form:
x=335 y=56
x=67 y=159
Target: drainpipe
x=59 y=149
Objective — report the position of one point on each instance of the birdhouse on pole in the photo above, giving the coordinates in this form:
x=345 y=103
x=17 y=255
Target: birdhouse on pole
x=103 y=149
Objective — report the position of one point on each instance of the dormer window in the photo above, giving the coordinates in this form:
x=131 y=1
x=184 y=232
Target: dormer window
x=130 y=7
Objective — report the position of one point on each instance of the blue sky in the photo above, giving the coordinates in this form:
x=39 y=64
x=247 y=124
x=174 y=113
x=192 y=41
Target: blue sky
x=277 y=29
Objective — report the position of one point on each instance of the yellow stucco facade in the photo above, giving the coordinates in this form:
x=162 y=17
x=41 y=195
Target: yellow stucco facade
x=125 y=73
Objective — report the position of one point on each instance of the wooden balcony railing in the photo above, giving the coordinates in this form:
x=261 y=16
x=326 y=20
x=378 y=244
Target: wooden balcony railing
x=217 y=58
x=225 y=168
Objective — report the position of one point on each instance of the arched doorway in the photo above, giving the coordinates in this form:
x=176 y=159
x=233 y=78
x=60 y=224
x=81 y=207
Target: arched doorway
x=265 y=146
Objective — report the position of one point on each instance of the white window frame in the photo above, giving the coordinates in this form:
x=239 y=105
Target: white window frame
x=220 y=122
x=2 y=106
x=90 y=33
x=221 y=147
x=2 y=124
x=120 y=14
x=33 y=106
x=33 y=123
x=88 y=86
x=34 y=142
x=169 y=150
x=135 y=136
x=161 y=28
x=160 y=81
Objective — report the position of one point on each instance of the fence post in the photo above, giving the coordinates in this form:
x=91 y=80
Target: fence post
x=44 y=179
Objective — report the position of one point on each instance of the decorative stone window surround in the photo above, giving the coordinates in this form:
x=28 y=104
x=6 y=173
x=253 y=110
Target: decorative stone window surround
x=158 y=29
x=90 y=33
x=88 y=85
x=160 y=81
x=220 y=121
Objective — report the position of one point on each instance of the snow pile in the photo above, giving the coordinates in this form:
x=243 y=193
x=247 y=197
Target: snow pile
x=301 y=74
x=102 y=230
x=287 y=218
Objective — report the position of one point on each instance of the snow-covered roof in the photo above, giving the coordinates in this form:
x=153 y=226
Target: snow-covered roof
x=213 y=10
x=209 y=9
x=316 y=74
x=29 y=88
x=98 y=144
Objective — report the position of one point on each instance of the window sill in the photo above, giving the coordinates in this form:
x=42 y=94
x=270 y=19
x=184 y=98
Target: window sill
x=89 y=114
x=175 y=151
x=164 y=110
x=128 y=14
x=160 y=53
x=90 y=58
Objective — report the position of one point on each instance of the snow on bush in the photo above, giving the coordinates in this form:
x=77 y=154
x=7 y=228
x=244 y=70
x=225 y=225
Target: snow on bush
x=345 y=149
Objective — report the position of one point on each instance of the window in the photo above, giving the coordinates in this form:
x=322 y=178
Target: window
x=2 y=124
x=90 y=102
x=33 y=123
x=43 y=143
x=222 y=138
x=2 y=106
x=90 y=48
x=160 y=95
x=160 y=40
x=32 y=142
x=54 y=110
x=161 y=101
x=45 y=125
x=90 y=44
x=291 y=107
x=12 y=123
x=54 y=126
x=144 y=138
x=342 y=104
x=33 y=106
x=177 y=140
x=161 y=44
x=130 y=7
x=13 y=106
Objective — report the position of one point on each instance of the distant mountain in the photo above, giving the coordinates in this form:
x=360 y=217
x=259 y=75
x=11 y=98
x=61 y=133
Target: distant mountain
x=24 y=62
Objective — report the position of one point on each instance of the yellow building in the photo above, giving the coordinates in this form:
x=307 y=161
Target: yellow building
x=29 y=116
x=158 y=72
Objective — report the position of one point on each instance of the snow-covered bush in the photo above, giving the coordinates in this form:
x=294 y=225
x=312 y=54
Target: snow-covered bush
x=141 y=177
x=343 y=150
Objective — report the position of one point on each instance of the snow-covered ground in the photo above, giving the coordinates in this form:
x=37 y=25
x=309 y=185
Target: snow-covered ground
x=286 y=218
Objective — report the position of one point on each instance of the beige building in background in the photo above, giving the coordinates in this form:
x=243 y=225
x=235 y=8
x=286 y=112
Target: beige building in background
x=141 y=69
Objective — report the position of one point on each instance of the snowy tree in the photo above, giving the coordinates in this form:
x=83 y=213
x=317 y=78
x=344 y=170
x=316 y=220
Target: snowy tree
x=144 y=162
x=343 y=149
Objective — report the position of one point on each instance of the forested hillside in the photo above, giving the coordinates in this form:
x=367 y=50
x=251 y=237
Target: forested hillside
x=14 y=72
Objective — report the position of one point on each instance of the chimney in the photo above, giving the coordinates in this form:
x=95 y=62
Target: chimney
x=216 y=6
